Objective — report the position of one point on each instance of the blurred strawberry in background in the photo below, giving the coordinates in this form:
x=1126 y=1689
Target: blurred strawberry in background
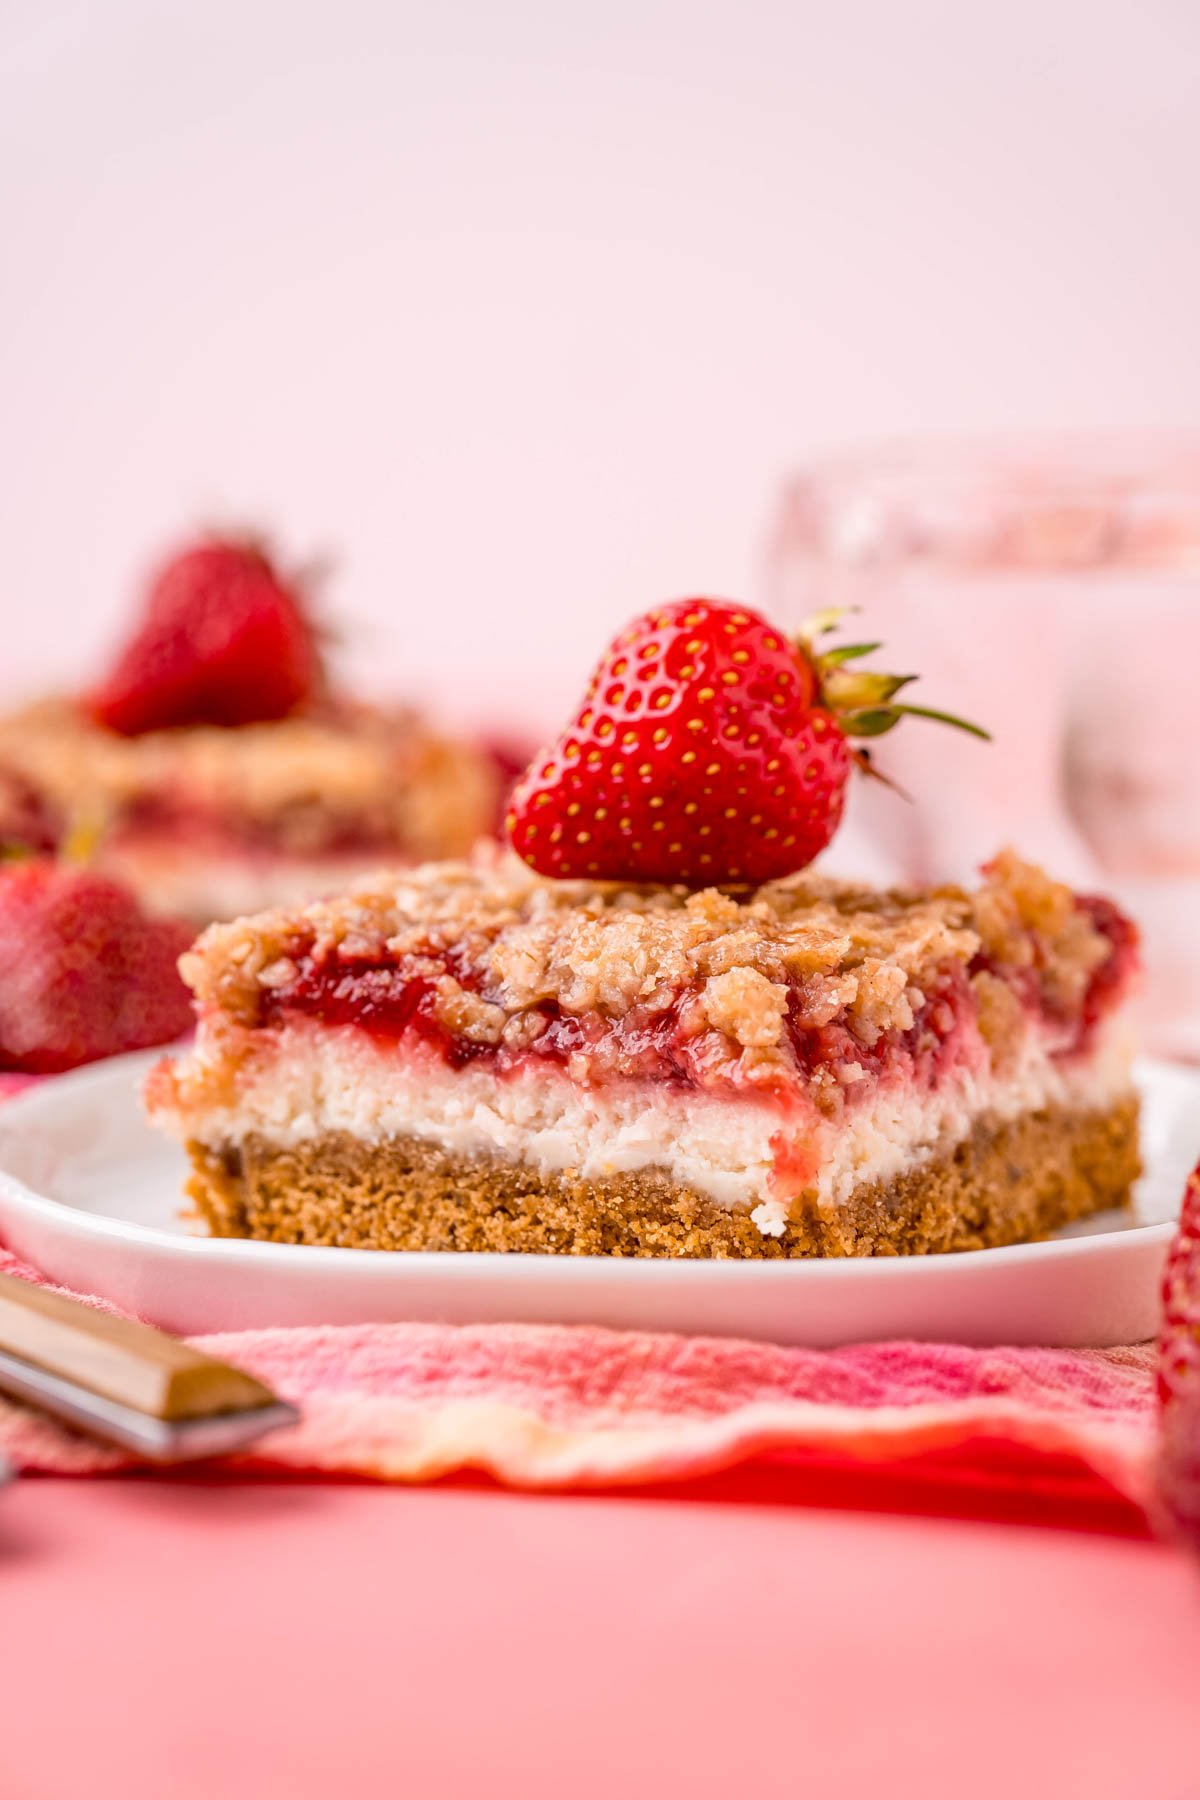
x=224 y=639
x=83 y=972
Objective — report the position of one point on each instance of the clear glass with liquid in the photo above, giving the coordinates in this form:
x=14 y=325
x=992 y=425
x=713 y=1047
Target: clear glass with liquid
x=1050 y=589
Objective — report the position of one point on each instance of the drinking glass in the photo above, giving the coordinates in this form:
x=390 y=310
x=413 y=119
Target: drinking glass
x=1048 y=587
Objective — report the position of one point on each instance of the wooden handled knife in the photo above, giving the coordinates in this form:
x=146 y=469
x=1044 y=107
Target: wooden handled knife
x=126 y=1382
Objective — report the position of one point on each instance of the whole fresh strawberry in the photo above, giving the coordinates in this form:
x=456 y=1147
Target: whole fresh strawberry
x=223 y=640
x=83 y=972
x=710 y=747
x=1179 y=1369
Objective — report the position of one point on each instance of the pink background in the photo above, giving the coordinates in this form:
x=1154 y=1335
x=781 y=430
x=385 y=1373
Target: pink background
x=478 y=1644
x=524 y=309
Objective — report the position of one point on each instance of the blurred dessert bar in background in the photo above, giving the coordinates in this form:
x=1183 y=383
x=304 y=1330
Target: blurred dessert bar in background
x=218 y=770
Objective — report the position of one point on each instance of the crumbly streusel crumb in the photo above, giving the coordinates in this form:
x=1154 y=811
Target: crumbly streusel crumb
x=820 y=948
x=746 y=1006
x=1021 y=913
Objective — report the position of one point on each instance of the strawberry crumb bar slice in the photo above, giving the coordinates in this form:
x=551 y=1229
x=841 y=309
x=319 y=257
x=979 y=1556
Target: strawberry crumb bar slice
x=218 y=769
x=208 y=821
x=474 y=1057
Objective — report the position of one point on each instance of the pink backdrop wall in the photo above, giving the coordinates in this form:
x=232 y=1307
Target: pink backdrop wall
x=522 y=309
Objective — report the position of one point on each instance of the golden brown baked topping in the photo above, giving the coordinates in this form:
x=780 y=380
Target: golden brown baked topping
x=500 y=943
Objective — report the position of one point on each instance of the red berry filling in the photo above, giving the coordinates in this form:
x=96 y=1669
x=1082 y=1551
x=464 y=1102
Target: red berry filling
x=1112 y=980
x=395 y=998
x=27 y=822
x=174 y=818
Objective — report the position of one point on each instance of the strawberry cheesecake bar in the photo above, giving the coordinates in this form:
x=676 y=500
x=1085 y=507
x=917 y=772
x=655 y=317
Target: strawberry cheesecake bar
x=216 y=768
x=207 y=821
x=478 y=1057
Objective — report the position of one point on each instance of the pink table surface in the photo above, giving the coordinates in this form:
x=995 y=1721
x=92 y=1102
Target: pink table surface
x=176 y=1638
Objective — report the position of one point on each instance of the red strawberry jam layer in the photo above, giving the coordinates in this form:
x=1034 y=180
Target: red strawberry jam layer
x=164 y=818
x=27 y=821
x=1113 y=979
x=437 y=998
x=801 y=987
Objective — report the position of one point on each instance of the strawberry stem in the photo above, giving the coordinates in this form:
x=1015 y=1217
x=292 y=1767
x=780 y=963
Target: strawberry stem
x=863 y=700
x=945 y=718
x=844 y=653
x=862 y=759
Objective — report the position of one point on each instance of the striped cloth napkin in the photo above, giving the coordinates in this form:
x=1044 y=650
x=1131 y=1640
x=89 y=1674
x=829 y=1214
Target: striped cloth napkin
x=1053 y=1435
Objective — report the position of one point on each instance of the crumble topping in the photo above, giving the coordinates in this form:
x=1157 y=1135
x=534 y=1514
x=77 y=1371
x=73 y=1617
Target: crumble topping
x=746 y=1006
x=1000 y=1017
x=464 y=1014
x=505 y=949
x=1023 y=917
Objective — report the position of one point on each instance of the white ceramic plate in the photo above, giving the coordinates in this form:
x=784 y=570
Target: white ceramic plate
x=91 y=1195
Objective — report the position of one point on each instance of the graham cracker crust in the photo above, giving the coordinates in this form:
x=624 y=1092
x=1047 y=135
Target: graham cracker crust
x=1004 y=1185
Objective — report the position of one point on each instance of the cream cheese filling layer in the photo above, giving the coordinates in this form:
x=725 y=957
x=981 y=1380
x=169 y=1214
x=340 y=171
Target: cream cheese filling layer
x=739 y=1152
